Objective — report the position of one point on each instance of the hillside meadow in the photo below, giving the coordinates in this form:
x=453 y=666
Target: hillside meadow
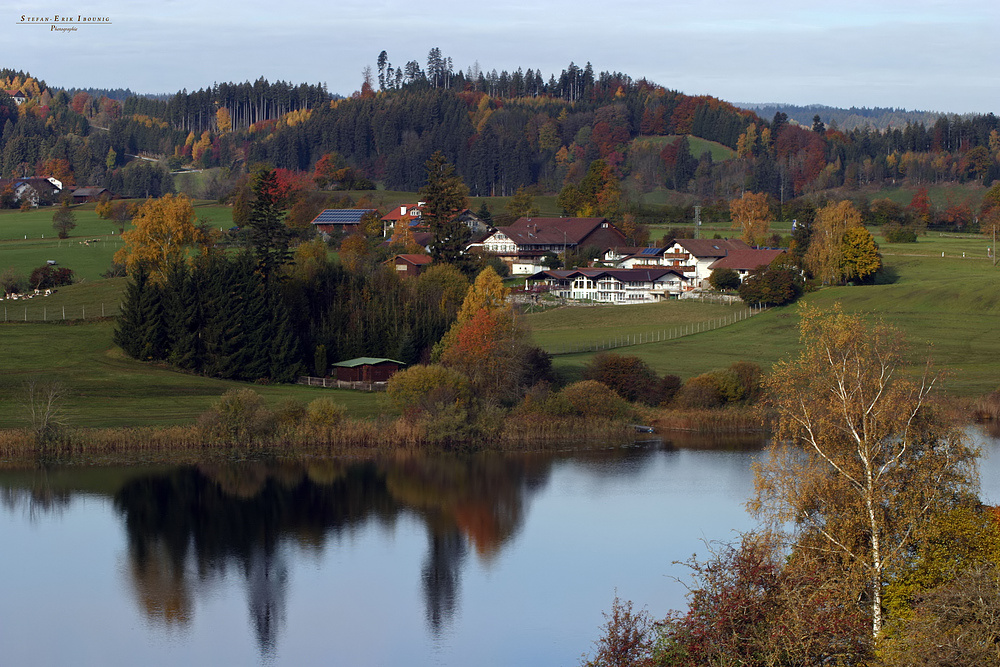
x=947 y=306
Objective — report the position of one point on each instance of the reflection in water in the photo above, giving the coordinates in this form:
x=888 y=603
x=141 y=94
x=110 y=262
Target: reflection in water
x=440 y=575
x=38 y=497
x=207 y=520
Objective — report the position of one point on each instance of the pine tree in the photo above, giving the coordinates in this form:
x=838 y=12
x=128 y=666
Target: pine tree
x=129 y=320
x=269 y=237
x=446 y=197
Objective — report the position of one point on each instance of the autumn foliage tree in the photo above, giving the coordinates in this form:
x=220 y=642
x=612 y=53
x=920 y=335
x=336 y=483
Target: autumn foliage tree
x=861 y=461
x=825 y=257
x=752 y=216
x=163 y=233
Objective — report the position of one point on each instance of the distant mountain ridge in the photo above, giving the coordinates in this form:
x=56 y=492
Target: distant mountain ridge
x=879 y=118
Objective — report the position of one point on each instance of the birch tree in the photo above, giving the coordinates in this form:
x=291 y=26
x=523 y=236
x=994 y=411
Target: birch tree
x=861 y=459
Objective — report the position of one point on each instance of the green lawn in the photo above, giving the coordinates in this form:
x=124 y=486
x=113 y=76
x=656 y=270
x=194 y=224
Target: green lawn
x=949 y=309
x=108 y=389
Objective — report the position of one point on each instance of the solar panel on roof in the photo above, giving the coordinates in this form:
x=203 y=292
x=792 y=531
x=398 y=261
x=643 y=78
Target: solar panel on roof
x=343 y=216
x=649 y=251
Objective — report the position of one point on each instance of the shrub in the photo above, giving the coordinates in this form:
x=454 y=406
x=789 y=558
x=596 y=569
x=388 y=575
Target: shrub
x=669 y=386
x=771 y=286
x=47 y=277
x=627 y=638
x=897 y=234
x=325 y=412
x=238 y=417
x=698 y=393
x=11 y=282
x=724 y=279
x=591 y=398
x=628 y=375
x=420 y=388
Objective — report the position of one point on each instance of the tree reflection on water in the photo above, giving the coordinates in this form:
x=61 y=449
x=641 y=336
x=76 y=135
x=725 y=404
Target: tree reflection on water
x=201 y=522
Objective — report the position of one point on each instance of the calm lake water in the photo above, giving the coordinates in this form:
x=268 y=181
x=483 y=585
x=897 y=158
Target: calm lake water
x=445 y=560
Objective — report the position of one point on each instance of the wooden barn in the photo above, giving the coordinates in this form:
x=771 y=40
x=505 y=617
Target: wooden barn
x=366 y=369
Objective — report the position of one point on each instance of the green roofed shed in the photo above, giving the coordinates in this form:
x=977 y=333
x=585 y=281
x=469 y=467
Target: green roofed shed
x=366 y=369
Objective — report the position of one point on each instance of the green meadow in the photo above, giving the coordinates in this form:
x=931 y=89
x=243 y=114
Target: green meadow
x=106 y=388
x=948 y=307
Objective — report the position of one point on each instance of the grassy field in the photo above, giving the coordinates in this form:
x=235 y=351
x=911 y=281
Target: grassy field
x=106 y=388
x=948 y=307
x=720 y=153
x=28 y=241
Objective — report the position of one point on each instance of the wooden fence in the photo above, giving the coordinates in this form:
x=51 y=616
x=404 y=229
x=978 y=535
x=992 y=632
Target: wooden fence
x=661 y=335
x=331 y=383
x=17 y=310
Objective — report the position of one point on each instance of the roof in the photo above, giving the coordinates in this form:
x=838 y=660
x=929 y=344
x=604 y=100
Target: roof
x=33 y=181
x=711 y=247
x=551 y=231
x=415 y=259
x=365 y=361
x=88 y=191
x=397 y=212
x=341 y=216
x=746 y=260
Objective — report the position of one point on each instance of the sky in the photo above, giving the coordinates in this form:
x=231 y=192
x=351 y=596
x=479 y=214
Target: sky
x=926 y=55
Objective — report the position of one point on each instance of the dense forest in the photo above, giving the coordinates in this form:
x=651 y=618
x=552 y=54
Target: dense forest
x=501 y=130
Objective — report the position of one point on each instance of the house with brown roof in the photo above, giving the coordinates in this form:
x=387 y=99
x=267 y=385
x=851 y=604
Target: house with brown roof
x=696 y=256
x=33 y=190
x=410 y=265
x=523 y=244
x=18 y=97
x=88 y=193
x=745 y=262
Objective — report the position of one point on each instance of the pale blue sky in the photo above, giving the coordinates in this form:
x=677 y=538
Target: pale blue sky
x=916 y=54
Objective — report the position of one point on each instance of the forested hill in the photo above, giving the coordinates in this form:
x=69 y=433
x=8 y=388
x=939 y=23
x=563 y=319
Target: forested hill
x=501 y=130
x=845 y=120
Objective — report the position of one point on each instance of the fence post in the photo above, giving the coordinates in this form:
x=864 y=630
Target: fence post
x=64 y=312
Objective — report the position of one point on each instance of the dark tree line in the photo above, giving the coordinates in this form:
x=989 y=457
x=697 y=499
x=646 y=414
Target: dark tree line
x=221 y=317
x=217 y=317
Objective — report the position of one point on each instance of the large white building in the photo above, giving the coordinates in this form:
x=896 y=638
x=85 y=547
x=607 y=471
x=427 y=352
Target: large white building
x=613 y=285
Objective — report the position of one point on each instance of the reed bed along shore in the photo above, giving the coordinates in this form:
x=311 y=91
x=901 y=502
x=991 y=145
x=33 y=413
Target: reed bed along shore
x=350 y=438
x=736 y=419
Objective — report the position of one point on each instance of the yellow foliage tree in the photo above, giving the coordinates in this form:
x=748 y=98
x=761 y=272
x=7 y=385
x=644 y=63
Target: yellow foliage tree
x=825 y=255
x=223 y=121
x=163 y=232
x=487 y=293
x=752 y=215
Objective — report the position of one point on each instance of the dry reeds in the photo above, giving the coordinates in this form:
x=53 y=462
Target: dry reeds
x=349 y=437
x=727 y=420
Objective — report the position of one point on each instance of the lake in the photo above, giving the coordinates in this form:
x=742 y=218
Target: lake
x=439 y=560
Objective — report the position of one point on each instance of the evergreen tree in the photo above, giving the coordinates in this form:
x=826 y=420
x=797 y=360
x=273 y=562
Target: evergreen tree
x=129 y=320
x=446 y=197
x=269 y=237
